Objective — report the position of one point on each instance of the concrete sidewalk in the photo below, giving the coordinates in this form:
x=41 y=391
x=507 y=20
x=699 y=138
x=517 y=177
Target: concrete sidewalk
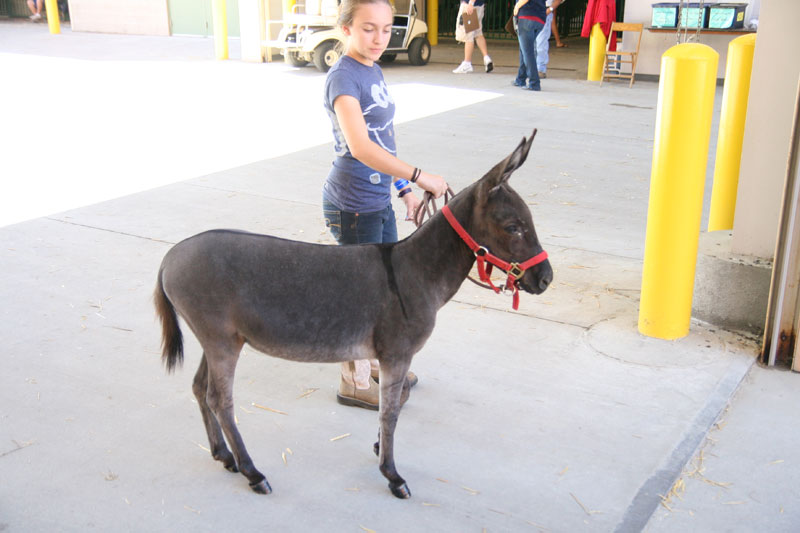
x=559 y=417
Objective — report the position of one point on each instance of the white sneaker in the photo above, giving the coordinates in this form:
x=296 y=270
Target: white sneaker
x=487 y=62
x=463 y=68
x=35 y=16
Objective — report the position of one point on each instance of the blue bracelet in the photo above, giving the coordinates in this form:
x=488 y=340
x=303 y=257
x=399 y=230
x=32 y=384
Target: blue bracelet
x=401 y=184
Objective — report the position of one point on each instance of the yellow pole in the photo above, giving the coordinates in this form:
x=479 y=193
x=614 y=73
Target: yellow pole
x=220 y=16
x=597 y=52
x=53 y=22
x=731 y=132
x=432 y=20
x=680 y=153
x=287 y=6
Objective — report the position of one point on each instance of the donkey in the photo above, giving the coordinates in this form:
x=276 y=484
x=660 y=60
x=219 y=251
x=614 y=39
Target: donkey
x=312 y=302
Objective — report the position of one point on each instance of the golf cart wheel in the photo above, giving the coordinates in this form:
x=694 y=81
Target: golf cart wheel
x=326 y=55
x=294 y=59
x=388 y=58
x=419 y=51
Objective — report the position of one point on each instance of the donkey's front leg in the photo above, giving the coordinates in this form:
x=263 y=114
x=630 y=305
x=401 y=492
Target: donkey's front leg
x=393 y=377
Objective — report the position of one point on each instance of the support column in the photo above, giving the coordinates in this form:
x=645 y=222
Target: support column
x=53 y=21
x=432 y=17
x=597 y=53
x=680 y=155
x=220 y=17
x=731 y=132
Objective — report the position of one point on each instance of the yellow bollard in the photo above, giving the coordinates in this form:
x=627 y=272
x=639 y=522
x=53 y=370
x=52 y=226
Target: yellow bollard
x=731 y=132
x=433 y=22
x=680 y=155
x=597 y=53
x=220 y=16
x=53 y=22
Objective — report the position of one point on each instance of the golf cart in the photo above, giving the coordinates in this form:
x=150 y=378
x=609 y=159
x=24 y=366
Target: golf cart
x=313 y=36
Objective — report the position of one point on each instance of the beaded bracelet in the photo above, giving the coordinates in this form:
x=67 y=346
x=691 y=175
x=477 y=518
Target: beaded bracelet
x=401 y=184
x=404 y=192
x=415 y=175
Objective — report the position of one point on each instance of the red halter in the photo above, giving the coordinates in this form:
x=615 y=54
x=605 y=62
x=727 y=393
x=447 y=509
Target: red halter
x=514 y=270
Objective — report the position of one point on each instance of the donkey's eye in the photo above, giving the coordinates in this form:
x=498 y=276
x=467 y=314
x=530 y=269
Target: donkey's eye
x=512 y=228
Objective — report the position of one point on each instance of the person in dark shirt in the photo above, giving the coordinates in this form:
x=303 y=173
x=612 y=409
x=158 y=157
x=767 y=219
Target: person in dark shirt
x=356 y=196
x=530 y=16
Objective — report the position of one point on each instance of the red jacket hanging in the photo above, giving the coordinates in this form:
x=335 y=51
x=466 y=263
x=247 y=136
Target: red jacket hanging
x=602 y=12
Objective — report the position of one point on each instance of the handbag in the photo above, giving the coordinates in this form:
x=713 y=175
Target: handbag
x=511 y=27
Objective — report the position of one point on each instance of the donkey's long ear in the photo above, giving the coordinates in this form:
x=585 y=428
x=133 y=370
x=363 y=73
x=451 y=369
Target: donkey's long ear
x=503 y=170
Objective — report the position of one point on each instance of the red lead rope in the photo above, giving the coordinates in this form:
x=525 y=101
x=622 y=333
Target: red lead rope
x=514 y=270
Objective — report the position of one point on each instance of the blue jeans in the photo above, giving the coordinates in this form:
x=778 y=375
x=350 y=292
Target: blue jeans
x=527 y=30
x=543 y=45
x=360 y=228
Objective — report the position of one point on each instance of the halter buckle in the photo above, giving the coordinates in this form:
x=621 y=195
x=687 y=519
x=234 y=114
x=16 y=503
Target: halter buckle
x=481 y=251
x=515 y=271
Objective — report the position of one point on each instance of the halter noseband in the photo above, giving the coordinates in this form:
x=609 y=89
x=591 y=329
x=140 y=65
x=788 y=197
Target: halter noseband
x=515 y=271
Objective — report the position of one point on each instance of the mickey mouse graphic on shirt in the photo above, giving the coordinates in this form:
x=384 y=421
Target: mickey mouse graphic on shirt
x=382 y=99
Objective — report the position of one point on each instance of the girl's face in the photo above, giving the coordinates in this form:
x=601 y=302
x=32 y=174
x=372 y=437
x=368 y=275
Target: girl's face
x=369 y=33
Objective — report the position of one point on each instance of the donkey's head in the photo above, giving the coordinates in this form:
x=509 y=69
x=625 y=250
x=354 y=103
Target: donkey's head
x=502 y=221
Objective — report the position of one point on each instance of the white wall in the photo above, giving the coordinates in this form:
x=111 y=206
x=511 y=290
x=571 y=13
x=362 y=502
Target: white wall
x=655 y=43
x=138 y=17
x=773 y=87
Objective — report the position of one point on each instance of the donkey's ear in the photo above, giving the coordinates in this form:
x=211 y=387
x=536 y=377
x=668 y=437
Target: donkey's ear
x=503 y=170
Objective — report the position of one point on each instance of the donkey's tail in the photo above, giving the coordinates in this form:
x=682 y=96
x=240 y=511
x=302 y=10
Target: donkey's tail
x=171 y=336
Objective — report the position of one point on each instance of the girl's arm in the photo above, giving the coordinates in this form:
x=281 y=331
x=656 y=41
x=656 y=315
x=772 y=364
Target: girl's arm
x=354 y=128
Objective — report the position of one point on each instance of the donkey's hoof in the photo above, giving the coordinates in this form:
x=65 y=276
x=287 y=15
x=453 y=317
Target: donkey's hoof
x=262 y=487
x=401 y=491
x=377 y=448
x=231 y=468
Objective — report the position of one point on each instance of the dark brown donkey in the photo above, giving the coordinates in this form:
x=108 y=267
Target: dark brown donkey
x=311 y=302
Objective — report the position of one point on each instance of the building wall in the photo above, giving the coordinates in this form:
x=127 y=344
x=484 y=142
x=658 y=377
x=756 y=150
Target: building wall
x=138 y=17
x=770 y=109
x=655 y=43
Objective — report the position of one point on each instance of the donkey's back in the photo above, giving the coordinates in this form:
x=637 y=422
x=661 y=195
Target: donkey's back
x=290 y=299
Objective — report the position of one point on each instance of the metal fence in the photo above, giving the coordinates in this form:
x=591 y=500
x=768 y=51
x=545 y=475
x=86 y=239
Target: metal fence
x=19 y=9
x=569 y=17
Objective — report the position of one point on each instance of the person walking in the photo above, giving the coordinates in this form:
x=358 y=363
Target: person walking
x=530 y=16
x=554 y=30
x=35 y=7
x=469 y=38
x=543 y=39
x=356 y=196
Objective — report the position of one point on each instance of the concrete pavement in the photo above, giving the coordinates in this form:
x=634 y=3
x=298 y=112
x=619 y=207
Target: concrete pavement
x=559 y=417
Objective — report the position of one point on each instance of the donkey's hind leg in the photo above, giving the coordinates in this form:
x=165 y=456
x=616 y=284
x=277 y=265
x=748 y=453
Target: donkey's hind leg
x=219 y=450
x=393 y=378
x=221 y=368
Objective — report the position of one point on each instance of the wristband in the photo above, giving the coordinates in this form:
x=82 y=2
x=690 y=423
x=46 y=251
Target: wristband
x=415 y=175
x=404 y=192
x=400 y=184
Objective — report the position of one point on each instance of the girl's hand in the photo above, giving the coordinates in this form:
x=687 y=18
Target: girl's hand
x=469 y=9
x=412 y=203
x=432 y=183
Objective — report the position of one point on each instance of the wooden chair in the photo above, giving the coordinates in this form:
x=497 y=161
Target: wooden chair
x=612 y=64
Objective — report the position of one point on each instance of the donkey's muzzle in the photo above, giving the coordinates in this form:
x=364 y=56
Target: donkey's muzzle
x=537 y=279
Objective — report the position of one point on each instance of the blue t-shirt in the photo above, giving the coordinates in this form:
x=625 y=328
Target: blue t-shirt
x=534 y=8
x=351 y=185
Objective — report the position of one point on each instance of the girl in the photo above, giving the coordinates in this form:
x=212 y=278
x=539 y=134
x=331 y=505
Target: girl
x=356 y=198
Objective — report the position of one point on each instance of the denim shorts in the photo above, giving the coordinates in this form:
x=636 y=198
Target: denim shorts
x=360 y=228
